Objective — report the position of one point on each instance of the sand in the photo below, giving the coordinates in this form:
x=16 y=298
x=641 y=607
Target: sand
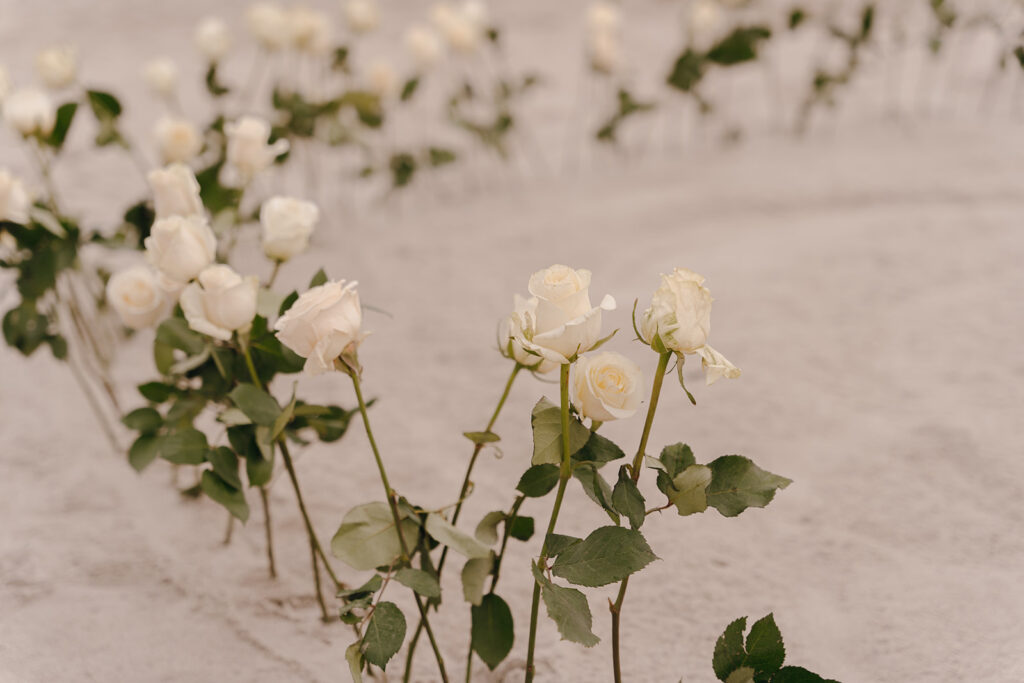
x=867 y=279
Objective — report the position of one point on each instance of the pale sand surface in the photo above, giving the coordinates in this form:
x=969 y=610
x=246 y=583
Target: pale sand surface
x=868 y=281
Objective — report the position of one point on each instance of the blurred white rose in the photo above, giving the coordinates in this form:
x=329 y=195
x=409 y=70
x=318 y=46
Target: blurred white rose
x=269 y=25
x=680 y=313
x=161 y=76
x=179 y=140
x=310 y=30
x=323 y=324
x=603 y=17
x=57 y=66
x=716 y=366
x=606 y=386
x=249 y=150
x=565 y=324
x=287 y=224
x=213 y=39
x=523 y=317
x=220 y=302
x=30 y=111
x=15 y=201
x=180 y=247
x=382 y=79
x=604 y=52
x=362 y=15
x=136 y=297
x=461 y=31
x=175 y=191
x=706 y=23
x=424 y=46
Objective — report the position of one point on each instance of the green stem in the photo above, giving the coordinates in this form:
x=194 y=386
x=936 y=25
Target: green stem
x=269 y=532
x=392 y=502
x=513 y=513
x=273 y=273
x=564 y=473
x=616 y=607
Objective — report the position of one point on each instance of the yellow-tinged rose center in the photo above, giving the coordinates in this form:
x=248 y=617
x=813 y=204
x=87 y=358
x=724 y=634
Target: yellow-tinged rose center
x=138 y=297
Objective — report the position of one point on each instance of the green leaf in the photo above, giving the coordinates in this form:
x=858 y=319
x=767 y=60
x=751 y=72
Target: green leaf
x=765 y=651
x=420 y=581
x=628 y=500
x=538 y=481
x=65 y=115
x=157 y=392
x=403 y=168
x=487 y=530
x=440 y=156
x=737 y=483
x=233 y=417
x=318 y=279
x=221 y=492
x=568 y=608
x=687 y=71
x=521 y=528
x=384 y=634
x=607 y=555
x=176 y=333
x=689 y=494
x=739 y=46
x=482 y=437
x=409 y=89
x=598 y=450
x=372 y=585
x=213 y=84
x=798 y=674
x=287 y=303
x=104 y=105
x=729 y=650
x=184 y=447
x=546 y=421
x=144 y=420
x=257 y=404
x=596 y=488
x=283 y=418
x=557 y=543
x=367 y=539
x=441 y=530
x=143 y=451
x=492 y=630
x=677 y=458
x=225 y=464
x=354 y=657
x=474 y=573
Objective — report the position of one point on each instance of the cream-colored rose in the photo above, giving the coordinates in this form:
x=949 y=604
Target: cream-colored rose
x=603 y=17
x=220 y=302
x=310 y=30
x=459 y=29
x=322 y=324
x=213 y=38
x=161 y=75
x=382 y=80
x=269 y=25
x=706 y=23
x=179 y=140
x=30 y=111
x=524 y=317
x=565 y=324
x=180 y=247
x=136 y=297
x=57 y=66
x=606 y=386
x=680 y=313
x=716 y=366
x=362 y=16
x=424 y=46
x=249 y=150
x=175 y=191
x=604 y=52
x=5 y=82
x=14 y=198
x=287 y=224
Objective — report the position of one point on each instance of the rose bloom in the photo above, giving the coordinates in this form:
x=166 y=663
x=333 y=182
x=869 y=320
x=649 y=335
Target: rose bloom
x=716 y=366
x=424 y=46
x=287 y=224
x=161 y=75
x=459 y=28
x=220 y=302
x=212 y=38
x=249 y=151
x=606 y=386
x=564 y=324
x=706 y=23
x=603 y=17
x=603 y=50
x=322 y=324
x=30 y=112
x=14 y=198
x=310 y=31
x=136 y=297
x=362 y=16
x=382 y=79
x=178 y=139
x=524 y=315
x=269 y=24
x=175 y=191
x=180 y=247
x=57 y=66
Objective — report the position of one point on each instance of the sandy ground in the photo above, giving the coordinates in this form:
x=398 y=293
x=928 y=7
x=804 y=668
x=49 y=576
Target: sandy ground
x=868 y=281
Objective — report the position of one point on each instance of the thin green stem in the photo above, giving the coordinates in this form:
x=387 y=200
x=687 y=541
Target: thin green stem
x=513 y=513
x=273 y=273
x=564 y=473
x=616 y=607
x=268 y=527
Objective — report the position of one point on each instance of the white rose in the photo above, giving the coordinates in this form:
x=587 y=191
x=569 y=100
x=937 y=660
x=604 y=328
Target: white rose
x=362 y=15
x=460 y=31
x=310 y=31
x=565 y=324
x=248 y=150
x=706 y=22
x=603 y=17
x=524 y=316
x=5 y=82
x=57 y=66
x=161 y=75
x=220 y=302
x=14 y=198
x=424 y=46
x=606 y=386
x=213 y=39
x=322 y=324
x=136 y=296
x=268 y=23
x=475 y=12
x=680 y=313
x=382 y=80
x=30 y=112
x=287 y=224
x=180 y=247
x=716 y=366
x=179 y=140
x=175 y=191
x=603 y=50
